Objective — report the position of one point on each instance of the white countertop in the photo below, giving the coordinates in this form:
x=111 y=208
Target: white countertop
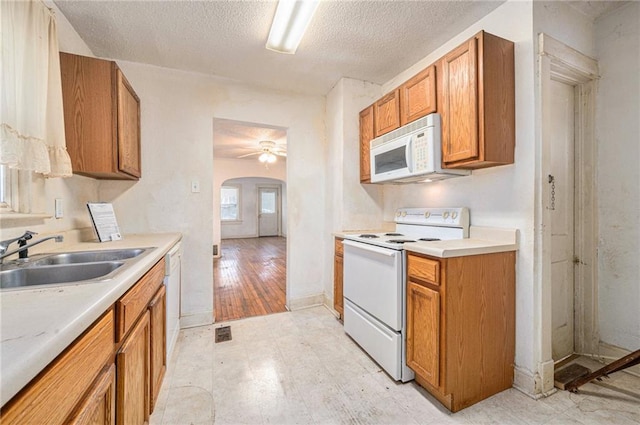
x=481 y=240
x=38 y=324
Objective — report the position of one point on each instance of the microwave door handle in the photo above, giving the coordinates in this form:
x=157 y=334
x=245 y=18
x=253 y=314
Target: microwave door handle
x=408 y=155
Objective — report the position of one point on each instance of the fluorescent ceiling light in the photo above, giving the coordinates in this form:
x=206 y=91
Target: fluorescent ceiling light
x=289 y=24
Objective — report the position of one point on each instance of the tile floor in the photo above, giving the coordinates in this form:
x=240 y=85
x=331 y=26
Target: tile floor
x=300 y=368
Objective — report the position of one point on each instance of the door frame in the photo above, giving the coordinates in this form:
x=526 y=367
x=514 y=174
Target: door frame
x=557 y=61
x=278 y=205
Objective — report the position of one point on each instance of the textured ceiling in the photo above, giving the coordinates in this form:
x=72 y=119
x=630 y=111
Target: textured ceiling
x=232 y=139
x=595 y=9
x=367 y=40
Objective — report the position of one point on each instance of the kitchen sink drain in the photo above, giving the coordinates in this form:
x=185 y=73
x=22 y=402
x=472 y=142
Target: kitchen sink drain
x=223 y=334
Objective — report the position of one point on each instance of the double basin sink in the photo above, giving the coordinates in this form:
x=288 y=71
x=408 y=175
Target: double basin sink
x=67 y=267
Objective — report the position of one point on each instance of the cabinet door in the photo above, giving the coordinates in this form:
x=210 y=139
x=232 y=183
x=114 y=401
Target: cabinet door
x=89 y=120
x=366 y=134
x=460 y=103
x=423 y=332
x=418 y=96
x=387 y=113
x=338 y=296
x=128 y=127
x=158 y=315
x=132 y=361
x=99 y=406
x=54 y=394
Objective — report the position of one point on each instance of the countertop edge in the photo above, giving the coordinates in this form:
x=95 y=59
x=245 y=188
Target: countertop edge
x=489 y=248
x=29 y=365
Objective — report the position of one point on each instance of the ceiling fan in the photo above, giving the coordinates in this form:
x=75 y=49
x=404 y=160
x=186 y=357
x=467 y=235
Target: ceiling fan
x=268 y=152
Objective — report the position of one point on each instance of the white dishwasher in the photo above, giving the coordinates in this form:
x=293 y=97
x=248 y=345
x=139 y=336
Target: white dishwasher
x=173 y=283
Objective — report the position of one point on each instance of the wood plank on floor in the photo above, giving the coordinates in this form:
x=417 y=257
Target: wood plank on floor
x=249 y=279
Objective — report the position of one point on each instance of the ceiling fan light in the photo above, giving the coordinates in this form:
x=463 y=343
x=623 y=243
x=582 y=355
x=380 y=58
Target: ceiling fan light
x=264 y=157
x=289 y=24
x=271 y=158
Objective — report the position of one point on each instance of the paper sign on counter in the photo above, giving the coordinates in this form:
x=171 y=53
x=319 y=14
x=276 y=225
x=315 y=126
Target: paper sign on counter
x=104 y=221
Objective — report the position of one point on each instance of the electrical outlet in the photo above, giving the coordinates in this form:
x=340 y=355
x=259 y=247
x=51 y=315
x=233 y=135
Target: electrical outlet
x=195 y=186
x=58 y=208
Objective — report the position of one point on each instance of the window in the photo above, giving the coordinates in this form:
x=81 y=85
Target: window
x=7 y=189
x=230 y=203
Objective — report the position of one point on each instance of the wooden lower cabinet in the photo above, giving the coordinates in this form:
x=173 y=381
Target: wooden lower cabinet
x=54 y=394
x=338 y=272
x=99 y=405
x=84 y=386
x=461 y=325
x=158 y=343
x=423 y=331
x=132 y=361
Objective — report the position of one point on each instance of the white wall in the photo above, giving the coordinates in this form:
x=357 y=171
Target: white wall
x=500 y=196
x=74 y=191
x=618 y=181
x=351 y=205
x=247 y=227
x=177 y=113
x=228 y=168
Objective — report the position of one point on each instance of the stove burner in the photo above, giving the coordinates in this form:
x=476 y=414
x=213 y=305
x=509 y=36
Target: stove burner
x=428 y=239
x=393 y=234
x=399 y=241
x=369 y=236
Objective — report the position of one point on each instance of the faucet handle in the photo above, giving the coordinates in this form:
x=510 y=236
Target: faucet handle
x=22 y=240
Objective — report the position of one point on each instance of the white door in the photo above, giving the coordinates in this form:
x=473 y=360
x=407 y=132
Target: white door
x=562 y=218
x=268 y=211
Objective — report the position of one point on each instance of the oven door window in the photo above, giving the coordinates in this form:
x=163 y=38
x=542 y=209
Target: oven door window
x=392 y=160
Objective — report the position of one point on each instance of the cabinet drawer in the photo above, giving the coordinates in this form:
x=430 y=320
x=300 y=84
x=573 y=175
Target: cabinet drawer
x=339 y=248
x=135 y=301
x=424 y=269
x=52 y=396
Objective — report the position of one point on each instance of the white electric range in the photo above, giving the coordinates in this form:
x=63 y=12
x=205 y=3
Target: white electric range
x=375 y=281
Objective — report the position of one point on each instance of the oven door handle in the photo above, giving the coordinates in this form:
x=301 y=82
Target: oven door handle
x=381 y=251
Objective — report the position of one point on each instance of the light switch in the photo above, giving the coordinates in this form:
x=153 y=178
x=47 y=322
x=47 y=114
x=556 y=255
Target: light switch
x=58 y=209
x=195 y=186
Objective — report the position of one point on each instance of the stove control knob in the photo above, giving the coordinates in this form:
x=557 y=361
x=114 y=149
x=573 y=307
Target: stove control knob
x=404 y=213
x=445 y=215
x=427 y=214
x=454 y=215
x=398 y=213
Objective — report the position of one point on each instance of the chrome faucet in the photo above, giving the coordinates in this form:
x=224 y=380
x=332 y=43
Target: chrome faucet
x=24 y=245
x=4 y=245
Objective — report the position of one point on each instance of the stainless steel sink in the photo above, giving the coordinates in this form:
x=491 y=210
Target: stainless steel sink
x=67 y=267
x=47 y=275
x=87 y=257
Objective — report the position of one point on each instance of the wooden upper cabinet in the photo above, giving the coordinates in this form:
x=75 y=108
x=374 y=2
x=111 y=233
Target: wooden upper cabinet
x=387 y=113
x=102 y=118
x=418 y=96
x=476 y=99
x=366 y=134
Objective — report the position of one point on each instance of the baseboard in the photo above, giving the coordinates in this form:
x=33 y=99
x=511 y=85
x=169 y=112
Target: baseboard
x=609 y=353
x=328 y=303
x=525 y=382
x=304 y=302
x=197 y=319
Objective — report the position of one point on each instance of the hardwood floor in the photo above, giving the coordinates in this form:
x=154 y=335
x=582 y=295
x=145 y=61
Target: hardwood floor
x=250 y=278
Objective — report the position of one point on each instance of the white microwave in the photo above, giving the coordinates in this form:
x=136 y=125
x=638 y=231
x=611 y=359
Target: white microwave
x=411 y=153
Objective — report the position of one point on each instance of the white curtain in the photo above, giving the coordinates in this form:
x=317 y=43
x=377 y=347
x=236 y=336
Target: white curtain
x=32 y=117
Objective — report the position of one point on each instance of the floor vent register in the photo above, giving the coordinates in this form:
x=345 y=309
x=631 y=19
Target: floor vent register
x=223 y=334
